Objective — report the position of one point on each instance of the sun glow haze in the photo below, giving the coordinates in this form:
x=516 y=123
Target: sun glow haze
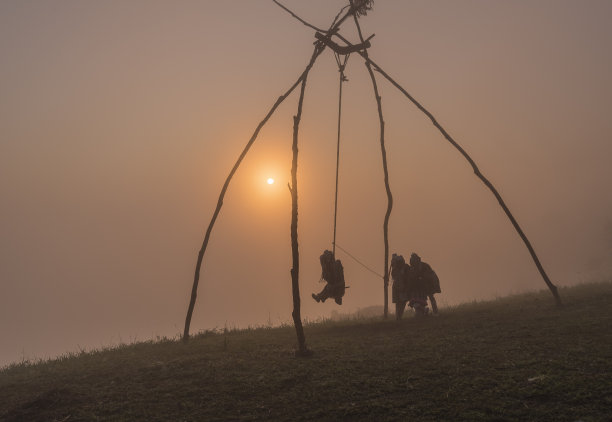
x=135 y=133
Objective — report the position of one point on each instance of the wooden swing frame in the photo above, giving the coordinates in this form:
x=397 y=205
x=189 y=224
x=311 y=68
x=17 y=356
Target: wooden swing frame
x=323 y=38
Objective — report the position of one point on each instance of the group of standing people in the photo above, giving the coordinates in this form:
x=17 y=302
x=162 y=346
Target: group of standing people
x=413 y=284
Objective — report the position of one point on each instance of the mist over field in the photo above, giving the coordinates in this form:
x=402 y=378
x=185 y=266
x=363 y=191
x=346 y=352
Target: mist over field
x=119 y=123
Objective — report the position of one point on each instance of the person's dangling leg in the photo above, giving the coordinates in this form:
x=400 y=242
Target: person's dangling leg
x=323 y=295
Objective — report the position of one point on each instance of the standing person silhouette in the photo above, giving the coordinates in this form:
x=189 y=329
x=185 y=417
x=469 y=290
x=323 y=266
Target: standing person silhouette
x=425 y=283
x=399 y=290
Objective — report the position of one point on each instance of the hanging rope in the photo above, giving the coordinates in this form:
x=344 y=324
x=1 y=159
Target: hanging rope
x=341 y=66
x=359 y=262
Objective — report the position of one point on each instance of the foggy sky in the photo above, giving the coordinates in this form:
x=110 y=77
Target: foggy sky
x=119 y=123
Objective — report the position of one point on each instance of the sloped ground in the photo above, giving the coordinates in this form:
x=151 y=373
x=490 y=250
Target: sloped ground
x=517 y=358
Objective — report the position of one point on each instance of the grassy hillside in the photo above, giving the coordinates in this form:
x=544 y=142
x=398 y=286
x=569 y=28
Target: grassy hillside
x=516 y=358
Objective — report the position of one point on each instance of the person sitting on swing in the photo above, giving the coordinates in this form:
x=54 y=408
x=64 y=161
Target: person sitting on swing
x=333 y=273
x=423 y=284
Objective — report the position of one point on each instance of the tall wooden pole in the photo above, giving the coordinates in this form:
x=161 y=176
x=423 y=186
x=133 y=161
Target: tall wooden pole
x=385 y=171
x=295 y=253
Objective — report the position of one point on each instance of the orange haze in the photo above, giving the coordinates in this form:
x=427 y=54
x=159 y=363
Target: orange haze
x=119 y=122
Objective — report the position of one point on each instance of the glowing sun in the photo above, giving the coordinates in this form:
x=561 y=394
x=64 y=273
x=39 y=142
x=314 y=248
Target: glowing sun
x=270 y=181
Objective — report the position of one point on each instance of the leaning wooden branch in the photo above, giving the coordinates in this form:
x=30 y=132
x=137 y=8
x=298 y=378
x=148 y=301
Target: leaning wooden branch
x=298 y=18
x=385 y=170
